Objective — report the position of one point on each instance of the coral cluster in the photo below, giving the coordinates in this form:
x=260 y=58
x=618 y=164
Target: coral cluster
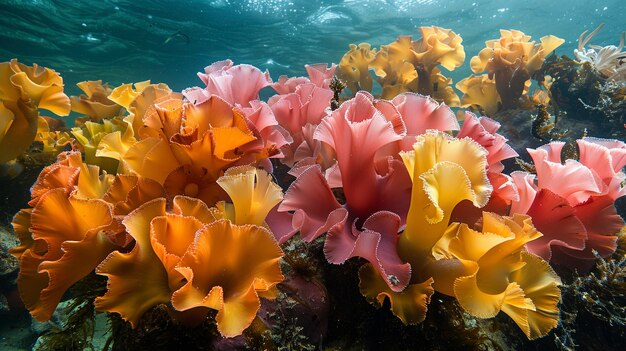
x=160 y=217
x=510 y=62
x=170 y=196
x=406 y=65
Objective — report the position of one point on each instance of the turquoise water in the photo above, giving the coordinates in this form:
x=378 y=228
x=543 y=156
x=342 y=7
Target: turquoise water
x=127 y=41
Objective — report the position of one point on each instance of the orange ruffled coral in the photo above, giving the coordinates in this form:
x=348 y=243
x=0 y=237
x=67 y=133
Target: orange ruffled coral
x=182 y=255
x=74 y=245
x=188 y=147
x=226 y=269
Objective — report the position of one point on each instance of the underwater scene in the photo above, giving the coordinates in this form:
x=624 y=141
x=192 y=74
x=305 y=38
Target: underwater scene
x=312 y=175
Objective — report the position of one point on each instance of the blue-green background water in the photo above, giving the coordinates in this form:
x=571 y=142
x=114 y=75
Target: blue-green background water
x=124 y=41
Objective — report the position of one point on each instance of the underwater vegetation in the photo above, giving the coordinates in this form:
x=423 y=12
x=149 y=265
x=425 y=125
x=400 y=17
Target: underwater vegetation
x=211 y=219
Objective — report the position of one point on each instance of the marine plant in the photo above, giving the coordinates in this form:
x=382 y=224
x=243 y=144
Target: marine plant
x=511 y=61
x=95 y=103
x=406 y=65
x=572 y=201
x=23 y=91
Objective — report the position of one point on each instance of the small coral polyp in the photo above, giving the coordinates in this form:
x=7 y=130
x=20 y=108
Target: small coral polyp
x=171 y=196
x=606 y=60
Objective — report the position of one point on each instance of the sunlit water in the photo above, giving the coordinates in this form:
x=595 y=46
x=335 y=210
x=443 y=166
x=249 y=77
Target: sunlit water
x=127 y=41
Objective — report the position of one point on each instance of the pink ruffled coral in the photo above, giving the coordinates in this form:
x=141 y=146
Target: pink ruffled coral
x=319 y=75
x=572 y=203
x=238 y=85
x=299 y=107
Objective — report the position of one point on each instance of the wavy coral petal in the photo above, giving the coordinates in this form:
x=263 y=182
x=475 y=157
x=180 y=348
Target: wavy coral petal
x=540 y=285
x=483 y=130
x=31 y=282
x=315 y=206
x=129 y=192
x=558 y=223
x=41 y=85
x=74 y=245
x=79 y=259
x=571 y=180
x=126 y=93
x=421 y=113
x=238 y=84
x=445 y=171
x=410 y=305
x=228 y=283
x=21 y=227
x=252 y=192
x=191 y=207
x=353 y=67
x=144 y=100
x=137 y=280
x=92 y=184
x=478 y=303
x=320 y=74
x=377 y=243
x=357 y=120
x=94 y=103
x=62 y=174
x=18 y=128
x=151 y=158
x=170 y=236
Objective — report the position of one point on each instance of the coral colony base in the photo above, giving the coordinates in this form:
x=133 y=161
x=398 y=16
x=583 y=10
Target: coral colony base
x=164 y=206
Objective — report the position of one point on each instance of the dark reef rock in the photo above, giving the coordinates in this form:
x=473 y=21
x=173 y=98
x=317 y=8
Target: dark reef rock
x=584 y=95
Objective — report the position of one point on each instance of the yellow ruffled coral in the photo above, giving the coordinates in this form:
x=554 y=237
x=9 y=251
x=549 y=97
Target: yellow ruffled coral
x=42 y=86
x=439 y=46
x=406 y=65
x=480 y=94
x=89 y=136
x=126 y=93
x=53 y=141
x=23 y=90
x=353 y=68
x=252 y=192
x=444 y=171
x=95 y=102
x=487 y=271
x=18 y=128
x=499 y=275
x=226 y=268
x=512 y=60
